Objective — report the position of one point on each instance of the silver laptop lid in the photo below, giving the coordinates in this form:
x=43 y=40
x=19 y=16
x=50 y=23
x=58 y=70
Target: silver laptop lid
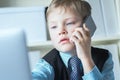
x=14 y=62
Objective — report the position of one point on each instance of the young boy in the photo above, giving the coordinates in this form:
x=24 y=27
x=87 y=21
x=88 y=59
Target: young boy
x=71 y=37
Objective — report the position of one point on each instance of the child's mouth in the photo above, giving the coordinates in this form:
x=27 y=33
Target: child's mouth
x=64 y=40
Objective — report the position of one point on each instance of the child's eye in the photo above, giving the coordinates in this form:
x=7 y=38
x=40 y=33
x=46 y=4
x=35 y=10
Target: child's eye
x=70 y=23
x=53 y=27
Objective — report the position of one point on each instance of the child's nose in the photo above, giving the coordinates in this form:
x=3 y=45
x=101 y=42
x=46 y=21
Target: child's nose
x=63 y=31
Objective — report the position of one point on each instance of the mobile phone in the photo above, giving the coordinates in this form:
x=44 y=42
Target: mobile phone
x=90 y=24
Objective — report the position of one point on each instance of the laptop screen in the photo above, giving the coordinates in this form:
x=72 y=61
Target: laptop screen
x=14 y=62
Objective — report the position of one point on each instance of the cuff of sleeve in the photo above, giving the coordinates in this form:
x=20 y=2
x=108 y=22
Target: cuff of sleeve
x=94 y=74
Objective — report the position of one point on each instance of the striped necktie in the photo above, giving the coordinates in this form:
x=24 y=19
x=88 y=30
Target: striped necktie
x=75 y=69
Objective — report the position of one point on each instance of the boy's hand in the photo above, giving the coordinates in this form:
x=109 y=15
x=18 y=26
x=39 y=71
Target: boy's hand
x=82 y=40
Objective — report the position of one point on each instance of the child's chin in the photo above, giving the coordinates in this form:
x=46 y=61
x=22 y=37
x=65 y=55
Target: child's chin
x=66 y=48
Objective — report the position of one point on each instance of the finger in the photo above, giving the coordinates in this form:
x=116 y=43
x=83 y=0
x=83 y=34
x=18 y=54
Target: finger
x=84 y=33
x=87 y=31
x=75 y=40
x=77 y=34
x=81 y=31
x=85 y=27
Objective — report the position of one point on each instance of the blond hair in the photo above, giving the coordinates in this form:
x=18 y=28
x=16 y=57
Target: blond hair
x=80 y=7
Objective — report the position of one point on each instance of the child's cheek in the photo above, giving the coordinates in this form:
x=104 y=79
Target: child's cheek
x=70 y=35
x=72 y=31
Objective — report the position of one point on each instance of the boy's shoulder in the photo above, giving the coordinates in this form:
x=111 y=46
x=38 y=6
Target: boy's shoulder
x=99 y=51
x=99 y=56
x=52 y=55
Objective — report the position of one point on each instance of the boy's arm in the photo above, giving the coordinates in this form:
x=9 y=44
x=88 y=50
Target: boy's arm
x=43 y=71
x=106 y=74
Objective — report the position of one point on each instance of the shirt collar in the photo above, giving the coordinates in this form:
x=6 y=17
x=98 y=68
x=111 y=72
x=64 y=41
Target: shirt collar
x=65 y=57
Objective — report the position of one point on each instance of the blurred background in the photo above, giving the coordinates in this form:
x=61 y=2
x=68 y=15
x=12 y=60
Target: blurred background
x=30 y=15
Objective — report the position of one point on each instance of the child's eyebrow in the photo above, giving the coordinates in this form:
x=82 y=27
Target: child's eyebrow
x=71 y=18
x=52 y=23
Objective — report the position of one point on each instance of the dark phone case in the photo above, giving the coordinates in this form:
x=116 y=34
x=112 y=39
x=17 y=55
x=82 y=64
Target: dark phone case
x=90 y=24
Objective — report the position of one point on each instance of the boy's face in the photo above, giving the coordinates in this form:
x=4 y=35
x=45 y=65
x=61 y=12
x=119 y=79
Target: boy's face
x=61 y=25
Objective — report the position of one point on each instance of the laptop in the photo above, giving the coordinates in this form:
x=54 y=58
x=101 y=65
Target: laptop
x=14 y=61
